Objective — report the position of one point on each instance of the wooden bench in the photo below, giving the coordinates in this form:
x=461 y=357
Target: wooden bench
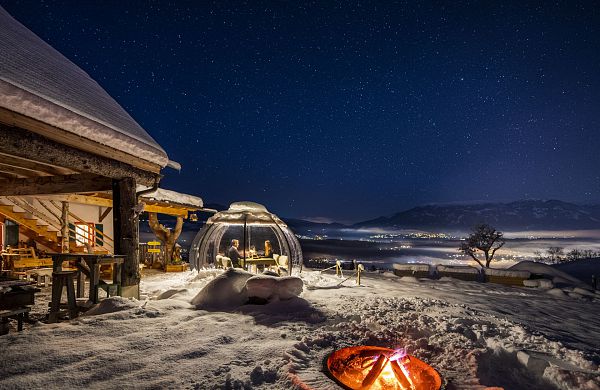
x=19 y=314
x=28 y=259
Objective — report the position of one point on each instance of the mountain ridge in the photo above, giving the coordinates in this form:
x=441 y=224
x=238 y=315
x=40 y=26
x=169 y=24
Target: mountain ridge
x=527 y=214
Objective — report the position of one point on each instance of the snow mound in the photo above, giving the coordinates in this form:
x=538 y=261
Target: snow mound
x=272 y=288
x=171 y=293
x=558 y=277
x=234 y=287
x=539 y=283
x=318 y=279
x=226 y=291
x=409 y=279
x=581 y=269
x=463 y=269
x=510 y=273
x=412 y=267
x=112 y=305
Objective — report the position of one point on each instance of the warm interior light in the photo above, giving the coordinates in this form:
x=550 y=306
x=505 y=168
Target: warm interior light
x=377 y=368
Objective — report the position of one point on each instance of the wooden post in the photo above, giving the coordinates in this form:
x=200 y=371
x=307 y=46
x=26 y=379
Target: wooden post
x=126 y=231
x=245 y=222
x=64 y=221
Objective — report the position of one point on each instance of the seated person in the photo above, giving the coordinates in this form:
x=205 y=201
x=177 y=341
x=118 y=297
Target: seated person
x=234 y=254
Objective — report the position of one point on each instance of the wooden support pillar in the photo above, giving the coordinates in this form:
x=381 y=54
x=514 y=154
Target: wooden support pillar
x=64 y=224
x=126 y=231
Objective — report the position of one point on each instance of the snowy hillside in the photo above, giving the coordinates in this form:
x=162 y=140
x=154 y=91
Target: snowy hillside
x=476 y=335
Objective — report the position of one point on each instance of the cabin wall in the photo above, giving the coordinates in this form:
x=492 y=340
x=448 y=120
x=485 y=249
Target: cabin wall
x=91 y=214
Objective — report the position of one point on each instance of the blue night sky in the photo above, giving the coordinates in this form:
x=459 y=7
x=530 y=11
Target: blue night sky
x=350 y=111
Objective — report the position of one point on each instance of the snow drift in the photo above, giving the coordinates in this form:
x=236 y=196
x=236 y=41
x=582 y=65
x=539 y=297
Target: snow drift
x=235 y=287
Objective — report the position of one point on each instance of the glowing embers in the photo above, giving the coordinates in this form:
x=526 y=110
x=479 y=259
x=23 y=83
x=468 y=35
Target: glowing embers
x=367 y=367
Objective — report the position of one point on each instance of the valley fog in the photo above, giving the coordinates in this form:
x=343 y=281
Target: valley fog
x=383 y=248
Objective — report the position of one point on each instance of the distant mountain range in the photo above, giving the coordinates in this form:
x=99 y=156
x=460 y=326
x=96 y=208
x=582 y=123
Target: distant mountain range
x=521 y=215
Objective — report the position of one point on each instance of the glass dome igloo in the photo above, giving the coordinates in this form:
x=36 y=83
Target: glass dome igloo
x=252 y=225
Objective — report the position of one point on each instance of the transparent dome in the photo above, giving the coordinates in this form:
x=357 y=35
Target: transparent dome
x=251 y=224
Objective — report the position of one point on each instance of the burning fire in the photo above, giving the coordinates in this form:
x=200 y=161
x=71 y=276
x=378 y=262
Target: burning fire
x=376 y=368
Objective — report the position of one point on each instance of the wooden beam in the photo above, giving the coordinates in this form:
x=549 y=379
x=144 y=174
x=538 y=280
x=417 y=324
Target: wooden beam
x=108 y=202
x=4 y=175
x=54 y=185
x=64 y=221
x=64 y=137
x=16 y=170
x=35 y=165
x=166 y=210
x=12 y=175
x=126 y=233
x=81 y=199
x=104 y=214
x=25 y=144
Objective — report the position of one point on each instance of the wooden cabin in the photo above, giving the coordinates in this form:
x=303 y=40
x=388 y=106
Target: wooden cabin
x=71 y=158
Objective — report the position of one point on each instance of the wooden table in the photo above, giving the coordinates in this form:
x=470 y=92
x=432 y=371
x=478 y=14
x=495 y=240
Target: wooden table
x=89 y=264
x=264 y=261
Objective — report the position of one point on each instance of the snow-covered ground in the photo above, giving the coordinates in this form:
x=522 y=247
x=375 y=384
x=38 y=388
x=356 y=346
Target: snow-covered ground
x=476 y=335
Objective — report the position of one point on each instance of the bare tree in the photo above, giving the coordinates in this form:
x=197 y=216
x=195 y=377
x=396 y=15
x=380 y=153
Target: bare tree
x=486 y=239
x=166 y=235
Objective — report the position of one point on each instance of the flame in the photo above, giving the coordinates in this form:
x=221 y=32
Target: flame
x=398 y=354
x=377 y=368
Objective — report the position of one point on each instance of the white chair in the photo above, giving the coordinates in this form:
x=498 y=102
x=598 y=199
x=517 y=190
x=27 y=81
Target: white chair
x=226 y=261
x=219 y=261
x=283 y=262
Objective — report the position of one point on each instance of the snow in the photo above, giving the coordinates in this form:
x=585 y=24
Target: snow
x=475 y=334
x=511 y=273
x=463 y=269
x=39 y=82
x=112 y=305
x=248 y=206
x=273 y=288
x=412 y=267
x=246 y=212
x=168 y=196
x=581 y=269
x=226 y=291
x=235 y=287
x=557 y=276
x=538 y=283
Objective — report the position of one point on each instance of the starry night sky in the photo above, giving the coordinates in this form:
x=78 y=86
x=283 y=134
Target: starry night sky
x=350 y=111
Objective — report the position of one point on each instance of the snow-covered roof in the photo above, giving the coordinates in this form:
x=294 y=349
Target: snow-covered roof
x=247 y=206
x=172 y=197
x=246 y=212
x=39 y=82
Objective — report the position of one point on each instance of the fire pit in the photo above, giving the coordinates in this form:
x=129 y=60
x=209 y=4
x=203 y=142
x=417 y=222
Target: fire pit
x=374 y=368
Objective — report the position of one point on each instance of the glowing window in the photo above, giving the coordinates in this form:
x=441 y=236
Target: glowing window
x=85 y=233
